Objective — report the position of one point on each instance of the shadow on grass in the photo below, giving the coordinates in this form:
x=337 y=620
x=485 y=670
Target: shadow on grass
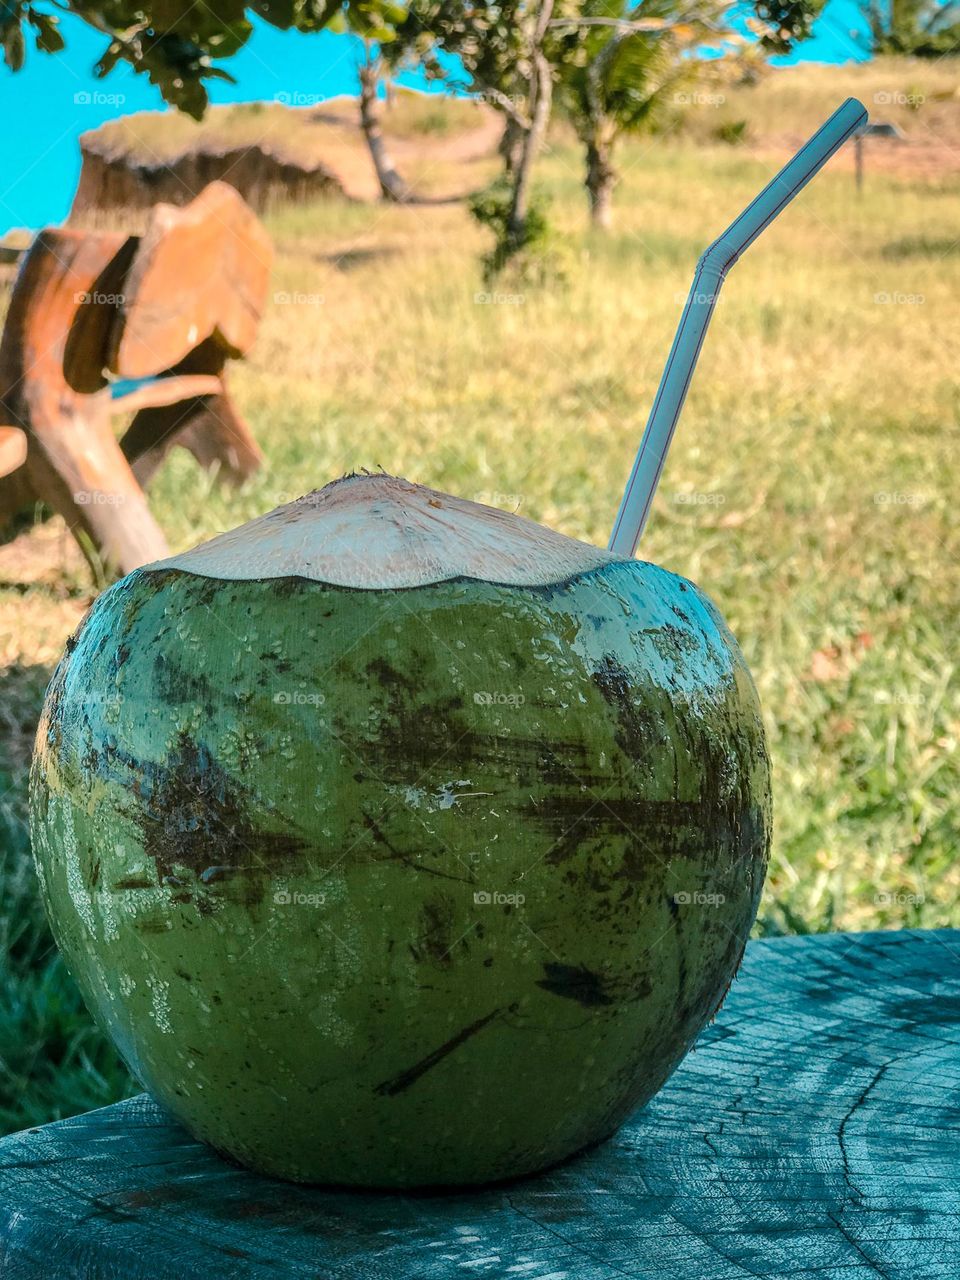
x=350 y=259
x=921 y=247
x=54 y=1061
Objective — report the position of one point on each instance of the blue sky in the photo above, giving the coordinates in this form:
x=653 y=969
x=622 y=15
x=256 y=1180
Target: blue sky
x=47 y=105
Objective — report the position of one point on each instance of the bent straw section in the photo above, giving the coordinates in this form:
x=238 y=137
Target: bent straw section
x=698 y=308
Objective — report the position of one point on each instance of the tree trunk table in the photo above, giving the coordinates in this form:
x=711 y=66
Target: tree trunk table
x=814 y=1132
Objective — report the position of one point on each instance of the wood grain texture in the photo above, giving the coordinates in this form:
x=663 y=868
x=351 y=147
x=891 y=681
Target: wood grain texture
x=73 y=462
x=163 y=392
x=13 y=449
x=814 y=1132
x=199 y=272
x=206 y=424
x=181 y=299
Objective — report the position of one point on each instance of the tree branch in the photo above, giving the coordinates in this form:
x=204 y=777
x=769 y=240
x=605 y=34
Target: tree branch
x=652 y=26
x=503 y=102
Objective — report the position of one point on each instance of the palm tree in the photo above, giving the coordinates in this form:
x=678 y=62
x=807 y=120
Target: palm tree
x=622 y=72
x=920 y=28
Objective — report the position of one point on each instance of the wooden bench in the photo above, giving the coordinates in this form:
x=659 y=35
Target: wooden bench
x=163 y=311
x=813 y=1132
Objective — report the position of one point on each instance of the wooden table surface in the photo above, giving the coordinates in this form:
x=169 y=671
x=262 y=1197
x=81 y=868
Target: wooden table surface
x=815 y=1131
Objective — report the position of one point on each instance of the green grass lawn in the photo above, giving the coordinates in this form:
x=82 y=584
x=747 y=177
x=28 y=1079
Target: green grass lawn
x=810 y=491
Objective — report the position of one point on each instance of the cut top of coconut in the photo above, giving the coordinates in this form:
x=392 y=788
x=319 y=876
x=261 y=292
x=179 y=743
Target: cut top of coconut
x=378 y=532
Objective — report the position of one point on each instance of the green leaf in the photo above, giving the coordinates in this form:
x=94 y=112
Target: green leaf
x=218 y=73
x=279 y=13
x=48 y=37
x=108 y=60
x=13 y=47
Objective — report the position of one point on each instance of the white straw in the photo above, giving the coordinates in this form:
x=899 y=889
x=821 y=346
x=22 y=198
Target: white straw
x=709 y=276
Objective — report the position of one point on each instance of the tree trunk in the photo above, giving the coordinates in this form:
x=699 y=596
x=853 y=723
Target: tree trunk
x=600 y=181
x=541 y=96
x=510 y=147
x=392 y=186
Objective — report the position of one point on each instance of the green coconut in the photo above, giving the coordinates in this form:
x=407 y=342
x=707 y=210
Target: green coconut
x=398 y=841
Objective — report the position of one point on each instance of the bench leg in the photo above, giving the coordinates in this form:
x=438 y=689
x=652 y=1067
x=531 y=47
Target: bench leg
x=209 y=427
x=79 y=470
